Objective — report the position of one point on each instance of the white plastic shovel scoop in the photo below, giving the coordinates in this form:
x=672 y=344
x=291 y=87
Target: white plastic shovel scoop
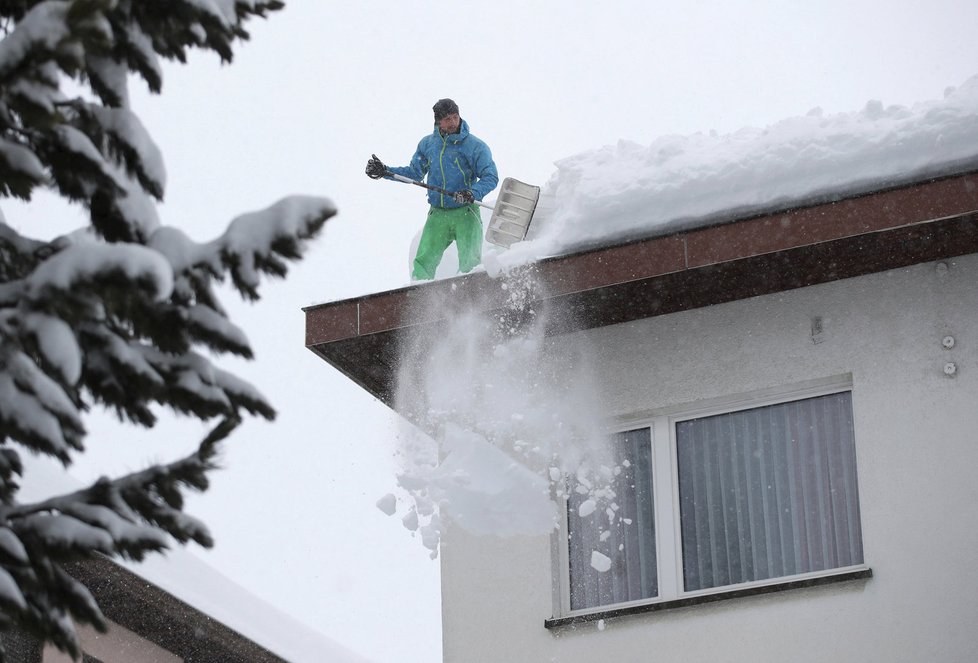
x=511 y=215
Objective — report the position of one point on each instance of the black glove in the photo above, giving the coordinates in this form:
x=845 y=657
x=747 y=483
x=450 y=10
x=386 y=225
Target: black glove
x=375 y=168
x=463 y=197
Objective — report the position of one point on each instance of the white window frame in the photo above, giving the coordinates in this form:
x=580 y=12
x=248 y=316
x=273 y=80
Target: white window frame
x=665 y=482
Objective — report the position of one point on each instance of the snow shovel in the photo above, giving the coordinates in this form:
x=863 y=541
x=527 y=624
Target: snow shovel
x=511 y=215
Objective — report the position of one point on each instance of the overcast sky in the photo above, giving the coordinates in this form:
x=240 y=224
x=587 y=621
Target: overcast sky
x=320 y=87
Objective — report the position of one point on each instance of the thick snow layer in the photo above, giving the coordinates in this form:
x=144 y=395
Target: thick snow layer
x=625 y=191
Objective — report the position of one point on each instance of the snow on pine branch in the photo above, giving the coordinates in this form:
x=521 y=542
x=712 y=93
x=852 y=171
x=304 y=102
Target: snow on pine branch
x=109 y=80
x=20 y=169
x=130 y=138
x=55 y=344
x=42 y=90
x=83 y=264
x=220 y=10
x=129 y=516
x=38 y=32
x=194 y=384
x=142 y=56
x=35 y=409
x=213 y=328
x=79 y=166
x=254 y=243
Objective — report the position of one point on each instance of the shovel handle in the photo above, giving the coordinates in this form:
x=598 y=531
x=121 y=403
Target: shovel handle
x=408 y=180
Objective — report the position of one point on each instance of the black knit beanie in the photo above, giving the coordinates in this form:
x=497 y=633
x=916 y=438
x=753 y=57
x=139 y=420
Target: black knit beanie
x=443 y=108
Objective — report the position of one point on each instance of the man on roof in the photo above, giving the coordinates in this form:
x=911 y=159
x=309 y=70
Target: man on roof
x=453 y=159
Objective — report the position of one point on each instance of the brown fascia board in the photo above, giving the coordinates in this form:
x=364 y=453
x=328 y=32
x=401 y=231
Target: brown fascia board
x=156 y=615
x=725 y=261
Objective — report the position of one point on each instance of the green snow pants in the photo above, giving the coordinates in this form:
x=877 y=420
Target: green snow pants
x=461 y=224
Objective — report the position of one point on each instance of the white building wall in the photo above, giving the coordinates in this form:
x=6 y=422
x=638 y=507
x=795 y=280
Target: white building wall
x=917 y=453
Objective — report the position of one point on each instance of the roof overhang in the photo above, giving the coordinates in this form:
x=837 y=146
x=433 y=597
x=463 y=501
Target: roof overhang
x=728 y=260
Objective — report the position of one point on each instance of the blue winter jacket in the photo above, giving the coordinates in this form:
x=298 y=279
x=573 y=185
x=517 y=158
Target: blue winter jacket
x=456 y=162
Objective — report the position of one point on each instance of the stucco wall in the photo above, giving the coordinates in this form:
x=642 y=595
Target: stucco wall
x=917 y=454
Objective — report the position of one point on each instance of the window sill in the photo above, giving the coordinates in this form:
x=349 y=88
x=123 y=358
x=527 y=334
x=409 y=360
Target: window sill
x=559 y=622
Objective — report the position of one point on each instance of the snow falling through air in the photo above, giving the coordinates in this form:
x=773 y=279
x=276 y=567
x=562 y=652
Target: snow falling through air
x=499 y=422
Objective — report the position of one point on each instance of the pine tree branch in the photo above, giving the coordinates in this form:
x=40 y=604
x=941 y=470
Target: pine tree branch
x=129 y=516
x=119 y=320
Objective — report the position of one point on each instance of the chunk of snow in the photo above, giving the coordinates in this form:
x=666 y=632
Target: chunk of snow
x=410 y=520
x=600 y=563
x=387 y=504
x=587 y=508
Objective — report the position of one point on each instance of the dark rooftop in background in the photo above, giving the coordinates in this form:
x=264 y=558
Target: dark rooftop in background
x=727 y=260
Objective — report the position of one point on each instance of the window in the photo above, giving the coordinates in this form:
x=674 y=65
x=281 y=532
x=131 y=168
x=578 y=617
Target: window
x=628 y=539
x=719 y=500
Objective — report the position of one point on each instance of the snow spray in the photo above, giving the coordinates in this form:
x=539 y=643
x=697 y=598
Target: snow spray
x=500 y=420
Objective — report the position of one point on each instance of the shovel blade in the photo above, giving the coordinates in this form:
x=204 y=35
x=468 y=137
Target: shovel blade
x=512 y=212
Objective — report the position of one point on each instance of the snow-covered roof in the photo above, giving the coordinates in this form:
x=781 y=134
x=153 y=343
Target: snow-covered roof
x=626 y=191
x=189 y=578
